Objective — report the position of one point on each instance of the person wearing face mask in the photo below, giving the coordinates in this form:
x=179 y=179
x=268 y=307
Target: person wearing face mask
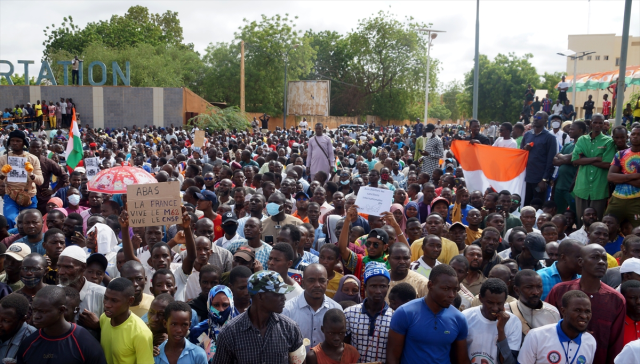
x=221 y=310
x=33 y=268
x=271 y=226
x=73 y=199
x=562 y=137
x=230 y=227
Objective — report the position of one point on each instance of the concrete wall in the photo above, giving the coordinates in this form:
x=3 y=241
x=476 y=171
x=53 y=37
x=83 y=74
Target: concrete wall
x=107 y=106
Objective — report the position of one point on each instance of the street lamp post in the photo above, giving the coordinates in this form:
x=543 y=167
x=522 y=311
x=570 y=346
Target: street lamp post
x=575 y=55
x=284 y=103
x=430 y=37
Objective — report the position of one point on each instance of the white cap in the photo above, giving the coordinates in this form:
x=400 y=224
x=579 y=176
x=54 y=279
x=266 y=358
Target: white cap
x=80 y=169
x=74 y=252
x=631 y=265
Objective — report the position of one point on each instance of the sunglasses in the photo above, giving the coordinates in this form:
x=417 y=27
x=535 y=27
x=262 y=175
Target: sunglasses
x=538 y=117
x=375 y=245
x=208 y=179
x=302 y=199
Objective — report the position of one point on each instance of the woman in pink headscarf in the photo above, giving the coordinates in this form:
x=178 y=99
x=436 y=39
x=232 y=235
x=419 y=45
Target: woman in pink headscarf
x=398 y=213
x=54 y=202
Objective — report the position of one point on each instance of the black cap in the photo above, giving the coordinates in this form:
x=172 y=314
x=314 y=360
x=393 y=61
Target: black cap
x=555 y=116
x=537 y=245
x=99 y=258
x=379 y=234
x=229 y=216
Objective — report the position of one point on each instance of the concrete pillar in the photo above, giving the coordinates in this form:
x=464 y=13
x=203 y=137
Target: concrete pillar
x=158 y=106
x=98 y=107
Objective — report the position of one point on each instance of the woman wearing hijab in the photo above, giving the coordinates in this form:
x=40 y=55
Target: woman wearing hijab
x=348 y=290
x=412 y=210
x=398 y=213
x=221 y=310
x=54 y=203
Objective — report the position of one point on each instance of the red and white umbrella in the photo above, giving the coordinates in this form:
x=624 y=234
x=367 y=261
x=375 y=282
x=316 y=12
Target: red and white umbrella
x=115 y=180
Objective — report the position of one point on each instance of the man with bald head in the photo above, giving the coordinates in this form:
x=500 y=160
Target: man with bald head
x=220 y=256
x=607 y=305
x=599 y=234
x=134 y=271
x=503 y=273
x=566 y=268
x=542 y=146
x=309 y=308
x=32 y=227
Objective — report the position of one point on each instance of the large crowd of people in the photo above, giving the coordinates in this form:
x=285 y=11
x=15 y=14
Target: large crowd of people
x=274 y=262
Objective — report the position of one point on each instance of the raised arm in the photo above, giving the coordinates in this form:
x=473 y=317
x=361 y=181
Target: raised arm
x=389 y=219
x=343 y=239
x=190 y=244
x=127 y=245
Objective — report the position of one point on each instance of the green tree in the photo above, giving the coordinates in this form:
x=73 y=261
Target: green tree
x=217 y=119
x=137 y=26
x=549 y=83
x=438 y=110
x=449 y=95
x=501 y=87
x=151 y=66
x=17 y=80
x=268 y=43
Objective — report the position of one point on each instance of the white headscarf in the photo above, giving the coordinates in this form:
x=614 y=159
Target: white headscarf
x=107 y=240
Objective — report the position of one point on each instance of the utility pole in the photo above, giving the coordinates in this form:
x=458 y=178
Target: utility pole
x=623 y=62
x=476 y=70
x=242 y=104
x=431 y=34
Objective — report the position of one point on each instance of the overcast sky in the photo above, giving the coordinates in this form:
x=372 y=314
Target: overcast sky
x=519 y=26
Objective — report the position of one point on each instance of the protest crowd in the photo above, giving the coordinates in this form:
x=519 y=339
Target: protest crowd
x=275 y=257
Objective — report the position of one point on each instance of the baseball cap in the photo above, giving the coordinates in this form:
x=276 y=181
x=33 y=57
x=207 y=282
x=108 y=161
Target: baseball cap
x=554 y=116
x=74 y=252
x=229 y=216
x=267 y=281
x=208 y=196
x=99 y=258
x=245 y=252
x=537 y=245
x=457 y=223
x=379 y=234
x=18 y=251
x=301 y=194
x=631 y=265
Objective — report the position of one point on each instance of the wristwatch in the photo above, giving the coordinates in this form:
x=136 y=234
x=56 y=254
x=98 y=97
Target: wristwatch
x=545 y=180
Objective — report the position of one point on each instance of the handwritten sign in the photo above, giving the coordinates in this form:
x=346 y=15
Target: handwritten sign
x=154 y=204
x=374 y=201
x=92 y=165
x=198 y=140
x=18 y=173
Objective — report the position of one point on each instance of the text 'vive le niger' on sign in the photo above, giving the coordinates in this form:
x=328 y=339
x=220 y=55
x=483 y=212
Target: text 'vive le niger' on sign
x=154 y=204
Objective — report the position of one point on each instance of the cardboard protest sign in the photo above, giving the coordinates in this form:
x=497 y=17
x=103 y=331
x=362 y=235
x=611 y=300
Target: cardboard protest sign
x=198 y=140
x=154 y=204
x=92 y=166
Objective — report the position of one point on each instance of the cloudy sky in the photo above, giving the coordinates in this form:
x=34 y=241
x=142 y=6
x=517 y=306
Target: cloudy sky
x=519 y=26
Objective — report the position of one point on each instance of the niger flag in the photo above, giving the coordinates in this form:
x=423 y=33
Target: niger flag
x=485 y=166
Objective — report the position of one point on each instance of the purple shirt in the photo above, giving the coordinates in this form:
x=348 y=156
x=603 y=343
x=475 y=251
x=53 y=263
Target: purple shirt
x=316 y=159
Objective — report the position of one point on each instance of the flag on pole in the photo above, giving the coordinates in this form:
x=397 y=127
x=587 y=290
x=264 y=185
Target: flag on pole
x=485 y=166
x=74 y=145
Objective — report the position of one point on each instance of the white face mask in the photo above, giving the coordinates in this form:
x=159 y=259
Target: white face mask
x=429 y=135
x=555 y=124
x=74 y=199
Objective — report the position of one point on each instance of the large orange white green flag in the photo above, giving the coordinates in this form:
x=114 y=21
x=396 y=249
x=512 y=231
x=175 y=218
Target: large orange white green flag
x=485 y=166
x=74 y=145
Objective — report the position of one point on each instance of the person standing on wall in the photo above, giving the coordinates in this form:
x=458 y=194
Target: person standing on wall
x=75 y=65
x=320 y=153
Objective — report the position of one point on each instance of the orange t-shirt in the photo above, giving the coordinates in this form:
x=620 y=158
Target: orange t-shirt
x=349 y=355
x=295 y=214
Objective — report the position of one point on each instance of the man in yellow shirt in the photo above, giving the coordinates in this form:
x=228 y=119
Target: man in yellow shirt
x=125 y=338
x=435 y=226
x=38 y=108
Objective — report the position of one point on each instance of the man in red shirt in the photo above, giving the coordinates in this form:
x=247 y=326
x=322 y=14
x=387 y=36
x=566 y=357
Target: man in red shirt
x=606 y=106
x=631 y=292
x=607 y=305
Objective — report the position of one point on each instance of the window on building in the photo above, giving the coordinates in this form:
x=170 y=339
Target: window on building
x=588 y=58
x=597 y=58
x=606 y=58
x=617 y=61
x=581 y=58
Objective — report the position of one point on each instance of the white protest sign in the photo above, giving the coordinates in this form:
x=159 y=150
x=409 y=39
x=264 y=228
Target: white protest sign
x=198 y=141
x=92 y=165
x=374 y=201
x=154 y=204
x=18 y=173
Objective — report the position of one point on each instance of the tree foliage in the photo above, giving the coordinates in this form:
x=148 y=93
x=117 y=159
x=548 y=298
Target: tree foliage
x=17 y=80
x=549 y=83
x=449 y=97
x=439 y=111
x=135 y=27
x=217 y=119
x=501 y=87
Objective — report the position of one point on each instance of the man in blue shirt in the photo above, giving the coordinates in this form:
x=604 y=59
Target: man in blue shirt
x=542 y=147
x=425 y=329
x=565 y=269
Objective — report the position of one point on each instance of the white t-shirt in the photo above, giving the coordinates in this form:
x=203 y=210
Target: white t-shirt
x=542 y=345
x=556 y=109
x=483 y=336
x=303 y=125
x=505 y=143
x=297 y=291
x=629 y=354
x=563 y=85
x=559 y=137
